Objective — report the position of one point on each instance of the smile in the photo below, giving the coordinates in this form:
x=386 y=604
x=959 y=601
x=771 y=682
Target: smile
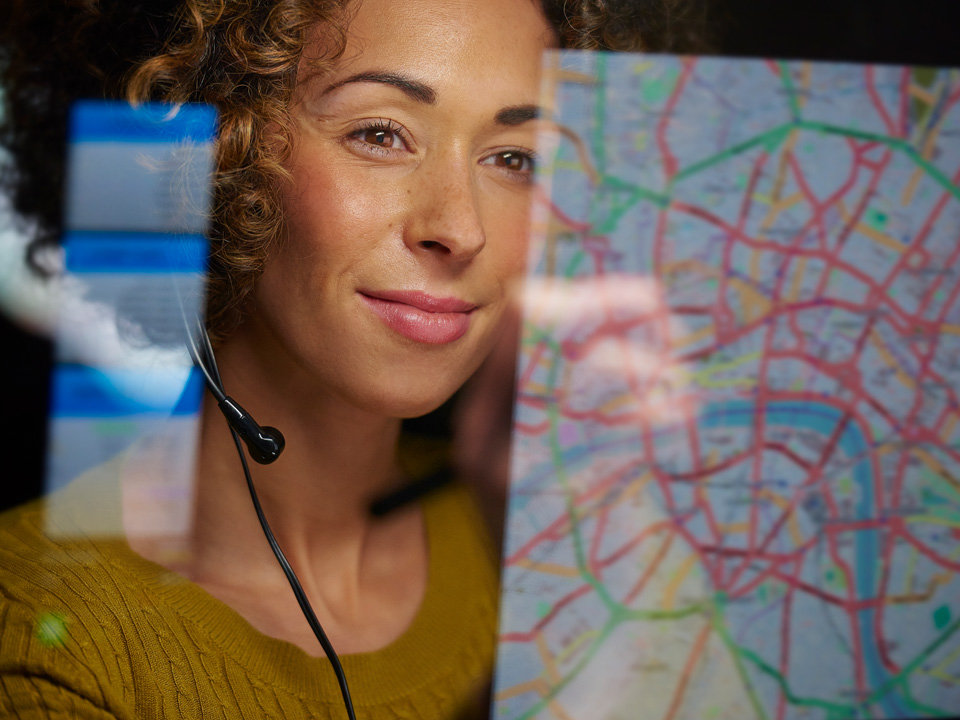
x=421 y=317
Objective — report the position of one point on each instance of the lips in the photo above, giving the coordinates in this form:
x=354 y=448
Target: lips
x=419 y=316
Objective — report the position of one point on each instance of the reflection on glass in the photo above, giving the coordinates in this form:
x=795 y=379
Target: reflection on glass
x=125 y=396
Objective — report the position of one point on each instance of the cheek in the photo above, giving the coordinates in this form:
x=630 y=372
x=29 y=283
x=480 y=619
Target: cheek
x=325 y=221
x=508 y=236
x=327 y=213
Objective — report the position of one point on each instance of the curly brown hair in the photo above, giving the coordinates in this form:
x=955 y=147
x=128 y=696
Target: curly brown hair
x=241 y=56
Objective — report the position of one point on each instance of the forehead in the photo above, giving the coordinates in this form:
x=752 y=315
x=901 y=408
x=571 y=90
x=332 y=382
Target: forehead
x=445 y=41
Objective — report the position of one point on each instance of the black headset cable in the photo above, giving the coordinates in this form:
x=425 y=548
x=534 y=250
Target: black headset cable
x=204 y=358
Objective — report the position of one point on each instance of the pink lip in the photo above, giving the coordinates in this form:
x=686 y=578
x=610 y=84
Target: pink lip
x=421 y=317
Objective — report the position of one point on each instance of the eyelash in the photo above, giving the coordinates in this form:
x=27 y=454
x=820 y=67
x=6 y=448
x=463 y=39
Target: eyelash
x=384 y=125
x=380 y=125
x=527 y=157
x=356 y=137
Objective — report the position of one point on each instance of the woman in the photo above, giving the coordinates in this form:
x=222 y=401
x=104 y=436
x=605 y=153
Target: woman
x=375 y=166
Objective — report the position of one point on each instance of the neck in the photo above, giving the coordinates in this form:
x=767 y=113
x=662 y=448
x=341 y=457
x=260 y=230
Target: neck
x=365 y=576
x=316 y=496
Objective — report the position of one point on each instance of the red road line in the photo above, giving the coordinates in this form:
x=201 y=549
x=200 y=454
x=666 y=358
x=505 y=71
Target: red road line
x=877 y=102
x=531 y=634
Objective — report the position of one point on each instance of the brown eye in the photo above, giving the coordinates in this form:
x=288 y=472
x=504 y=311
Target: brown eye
x=514 y=162
x=378 y=136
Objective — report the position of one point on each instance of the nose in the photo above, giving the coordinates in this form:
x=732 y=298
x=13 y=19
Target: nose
x=445 y=219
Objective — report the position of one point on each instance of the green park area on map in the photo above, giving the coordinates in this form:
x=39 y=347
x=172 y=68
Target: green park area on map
x=735 y=485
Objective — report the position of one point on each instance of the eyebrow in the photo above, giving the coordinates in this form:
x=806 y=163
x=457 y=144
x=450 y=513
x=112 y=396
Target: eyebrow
x=412 y=88
x=420 y=92
x=517 y=115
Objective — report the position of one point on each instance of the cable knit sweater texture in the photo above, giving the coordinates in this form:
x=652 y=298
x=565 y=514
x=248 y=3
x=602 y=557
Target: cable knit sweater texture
x=90 y=630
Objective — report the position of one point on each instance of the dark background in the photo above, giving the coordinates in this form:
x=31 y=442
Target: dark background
x=892 y=31
x=914 y=32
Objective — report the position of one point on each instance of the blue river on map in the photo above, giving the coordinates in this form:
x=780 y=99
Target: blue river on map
x=823 y=419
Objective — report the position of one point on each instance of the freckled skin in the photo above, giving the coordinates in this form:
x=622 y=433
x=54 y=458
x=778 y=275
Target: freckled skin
x=435 y=216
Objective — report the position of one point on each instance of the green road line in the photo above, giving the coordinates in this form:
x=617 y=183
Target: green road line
x=927 y=710
x=643 y=193
x=599 y=115
x=941 y=484
x=558 y=464
x=637 y=194
x=875 y=696
x=850 y=132
x=571 y=269
x=616 y=618
x=775 y=136
x=920 y=707
x=911 y=569
x=539 y=335
x=627 y=614
x=616 y=215
x=576 y=536
x=720 y=628
x=895 y=144
x=791 y=90
x=923 y=656
x=767 y=669
x=556 y=689
x=771 y=139
x=944 y=517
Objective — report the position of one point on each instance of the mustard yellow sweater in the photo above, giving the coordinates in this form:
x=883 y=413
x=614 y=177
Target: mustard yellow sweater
x=89 y=629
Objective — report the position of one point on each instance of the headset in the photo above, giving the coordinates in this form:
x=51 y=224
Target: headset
x=264 y=443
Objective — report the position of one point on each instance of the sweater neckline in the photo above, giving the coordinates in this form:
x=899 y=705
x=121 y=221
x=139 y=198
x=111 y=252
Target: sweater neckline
x=419 y=654
x=422 y=653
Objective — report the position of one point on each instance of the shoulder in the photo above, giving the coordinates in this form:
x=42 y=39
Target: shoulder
x=461 y=540
x=59 y=648
x=455 y=518
x=89 y=629
x=51 y=560
x=41 y=564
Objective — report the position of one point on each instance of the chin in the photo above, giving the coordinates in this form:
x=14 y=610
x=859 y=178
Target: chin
x=411 y=405
x=409 y=386
x=389 y=392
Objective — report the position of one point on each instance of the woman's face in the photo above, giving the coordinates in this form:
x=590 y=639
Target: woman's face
x=407 y=211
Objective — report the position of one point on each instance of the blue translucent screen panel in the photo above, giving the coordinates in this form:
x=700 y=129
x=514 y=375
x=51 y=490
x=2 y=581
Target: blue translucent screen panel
x=735 y=483
x=125 y=397
x=139 y=168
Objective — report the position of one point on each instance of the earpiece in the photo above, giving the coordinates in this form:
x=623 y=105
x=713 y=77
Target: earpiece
x=265 y=443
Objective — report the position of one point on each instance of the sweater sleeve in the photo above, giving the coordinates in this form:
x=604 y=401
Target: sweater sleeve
x=25 y=696
x=40 y=677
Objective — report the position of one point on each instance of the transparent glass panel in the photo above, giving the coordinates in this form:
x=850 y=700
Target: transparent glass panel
x=735 y=482
x=125 y=397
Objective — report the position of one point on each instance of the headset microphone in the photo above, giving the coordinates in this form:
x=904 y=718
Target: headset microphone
x=265 y=443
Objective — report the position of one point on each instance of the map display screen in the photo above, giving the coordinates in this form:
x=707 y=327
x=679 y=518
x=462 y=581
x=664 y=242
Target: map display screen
x=735 y=479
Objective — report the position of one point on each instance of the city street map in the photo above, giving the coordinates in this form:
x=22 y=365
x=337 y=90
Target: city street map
x=735 y=470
